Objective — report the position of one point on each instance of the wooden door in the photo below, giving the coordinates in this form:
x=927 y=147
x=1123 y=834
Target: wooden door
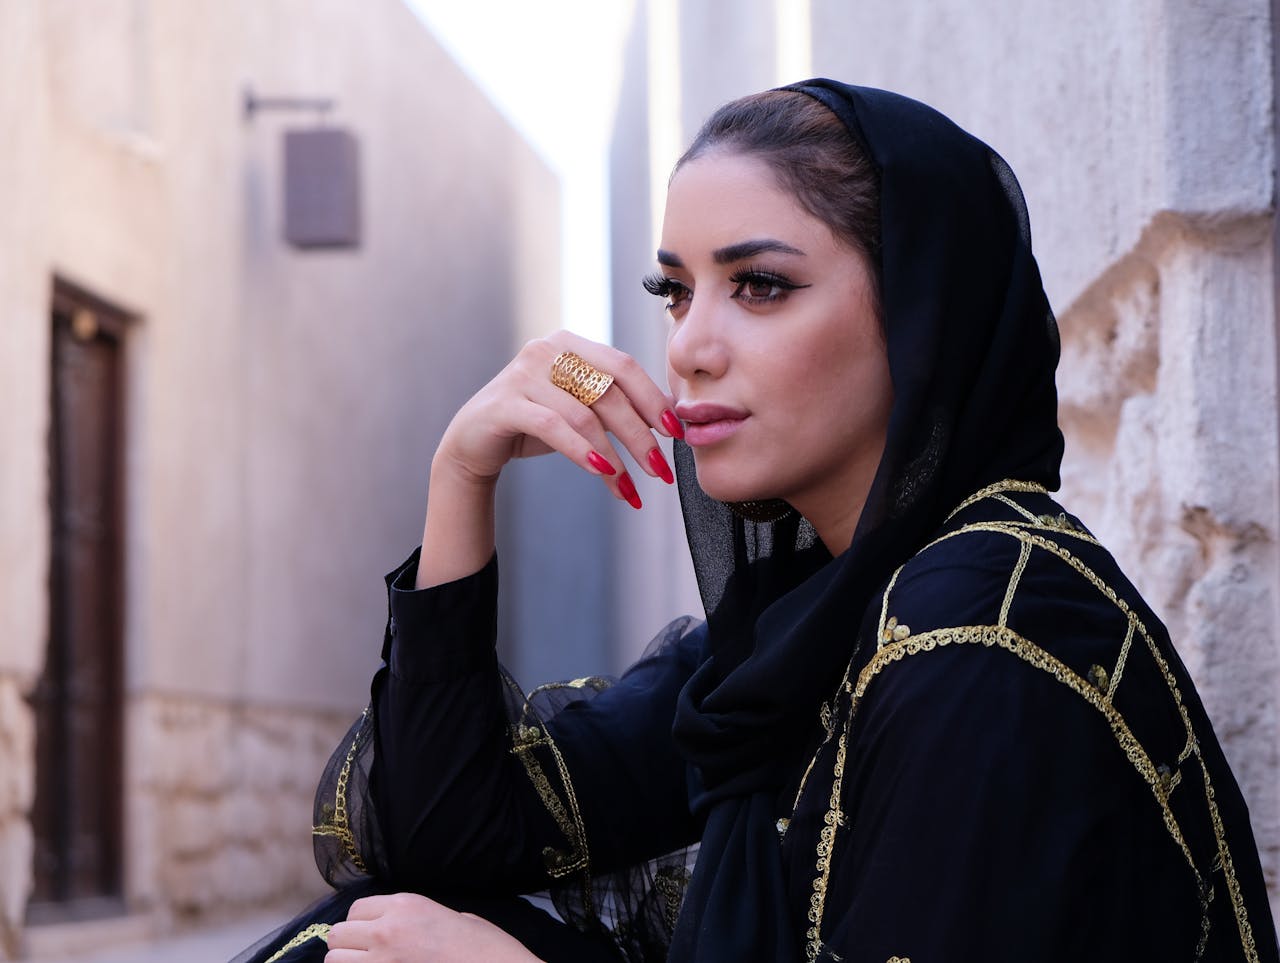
x=77 y=817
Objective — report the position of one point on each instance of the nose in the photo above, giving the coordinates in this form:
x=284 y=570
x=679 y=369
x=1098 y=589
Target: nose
x=697 y=347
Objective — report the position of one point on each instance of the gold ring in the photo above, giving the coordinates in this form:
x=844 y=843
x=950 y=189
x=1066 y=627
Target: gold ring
x=582 y=380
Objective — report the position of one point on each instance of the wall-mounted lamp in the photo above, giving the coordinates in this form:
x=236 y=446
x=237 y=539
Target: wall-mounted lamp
x=321 y=176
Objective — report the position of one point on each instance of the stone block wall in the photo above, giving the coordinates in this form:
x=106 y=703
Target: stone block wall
x=221 y=803
x=1168 y=402
x=17 y=790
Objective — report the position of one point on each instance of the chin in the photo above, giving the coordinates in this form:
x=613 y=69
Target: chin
x=725 y=485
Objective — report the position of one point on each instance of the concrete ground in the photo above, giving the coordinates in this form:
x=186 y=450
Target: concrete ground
x=216 y=944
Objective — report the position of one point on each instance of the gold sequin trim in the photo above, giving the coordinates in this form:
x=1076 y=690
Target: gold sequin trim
x=831 y=821
x=670 y=884
x=1098 y=692
x=1006 y=500
x=598 y=683
x=339 y=824
x=316 y=931
x=1123 y=658
x=1008 y=485
x=894 y=631
x=567 y=815
x=993 y=636
x=1225 y=861
x=559 y=863
x=1019 y=567
x=884 y=608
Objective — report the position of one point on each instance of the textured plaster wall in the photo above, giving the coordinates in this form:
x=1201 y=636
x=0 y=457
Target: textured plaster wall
x=282 y=407
x=222 y=803
x=23 y=392
x=1143 y=136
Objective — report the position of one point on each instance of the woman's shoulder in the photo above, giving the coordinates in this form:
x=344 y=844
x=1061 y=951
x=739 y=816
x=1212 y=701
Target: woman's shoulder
x=1014 y=559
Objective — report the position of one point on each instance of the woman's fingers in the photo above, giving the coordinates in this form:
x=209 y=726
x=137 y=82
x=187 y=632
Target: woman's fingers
x=352 y=934
x=631 y=409
x=647 y=399
x=580 y=438
x=615 y=411
x=405 y=926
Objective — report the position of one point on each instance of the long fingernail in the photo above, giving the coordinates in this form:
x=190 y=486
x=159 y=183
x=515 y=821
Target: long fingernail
x=660 y=466
x=628 y=489
x=672 y=424
x=600 y=463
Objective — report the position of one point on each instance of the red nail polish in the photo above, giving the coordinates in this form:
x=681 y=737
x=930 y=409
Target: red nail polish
x=672 y=424
x=600 y=463
x=628 y=489
x=660 y=466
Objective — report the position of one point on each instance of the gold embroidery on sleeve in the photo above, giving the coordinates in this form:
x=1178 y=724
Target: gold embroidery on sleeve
x=569 y=820
x=338 y=824
x=316 y=931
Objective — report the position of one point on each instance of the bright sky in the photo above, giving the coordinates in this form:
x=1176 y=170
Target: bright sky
x=531 y=59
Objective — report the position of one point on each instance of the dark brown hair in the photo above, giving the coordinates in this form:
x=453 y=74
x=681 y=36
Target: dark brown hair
x=812 y=154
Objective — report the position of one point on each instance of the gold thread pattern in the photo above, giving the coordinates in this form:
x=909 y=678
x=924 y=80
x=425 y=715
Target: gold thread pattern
x=1033 y=532
x=339 y=825
x=833 y=819
x=993 y=636
x=559 y=863
x=1024 y=553
x=1118 y=671
x=567 y=815
x=1000 y=487
x=1006 y=500
x=316 y=931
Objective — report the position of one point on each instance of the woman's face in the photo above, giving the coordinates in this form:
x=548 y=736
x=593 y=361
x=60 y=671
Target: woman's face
x=775 y=355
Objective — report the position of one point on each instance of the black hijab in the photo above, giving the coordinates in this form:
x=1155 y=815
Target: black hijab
x=972 y=347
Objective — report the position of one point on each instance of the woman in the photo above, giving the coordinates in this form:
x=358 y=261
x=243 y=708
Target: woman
x=927 y=717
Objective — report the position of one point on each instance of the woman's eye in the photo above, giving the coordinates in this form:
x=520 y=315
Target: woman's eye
x=676 y=293
x=762 y=287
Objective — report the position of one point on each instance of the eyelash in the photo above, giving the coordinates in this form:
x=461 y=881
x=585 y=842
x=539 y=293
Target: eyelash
x=752 y=275
x=664 y=287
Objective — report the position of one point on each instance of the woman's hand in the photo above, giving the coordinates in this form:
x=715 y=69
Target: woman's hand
x=520 y=413
x=406 y=928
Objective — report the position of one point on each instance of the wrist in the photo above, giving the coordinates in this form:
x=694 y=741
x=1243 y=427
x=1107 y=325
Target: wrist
x=448 y=471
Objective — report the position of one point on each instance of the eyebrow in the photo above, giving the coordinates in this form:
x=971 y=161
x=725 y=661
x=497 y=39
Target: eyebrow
x=734 y=252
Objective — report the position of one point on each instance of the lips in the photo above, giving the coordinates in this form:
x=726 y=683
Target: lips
x=707 y=423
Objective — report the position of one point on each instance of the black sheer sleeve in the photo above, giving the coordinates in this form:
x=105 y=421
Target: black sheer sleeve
x=454 y=783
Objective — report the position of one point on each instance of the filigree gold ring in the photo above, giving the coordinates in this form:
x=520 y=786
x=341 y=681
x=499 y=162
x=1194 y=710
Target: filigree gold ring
x=581 y=379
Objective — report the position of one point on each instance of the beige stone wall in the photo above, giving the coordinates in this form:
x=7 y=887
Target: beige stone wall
x=17 y=744
x=282 y=407
x=222 y=801
x=1142 y=133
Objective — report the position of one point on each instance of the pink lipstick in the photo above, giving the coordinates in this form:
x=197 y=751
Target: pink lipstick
x=706 y=423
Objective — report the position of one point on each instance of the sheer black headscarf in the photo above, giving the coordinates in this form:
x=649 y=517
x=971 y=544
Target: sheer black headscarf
x=972 y=347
